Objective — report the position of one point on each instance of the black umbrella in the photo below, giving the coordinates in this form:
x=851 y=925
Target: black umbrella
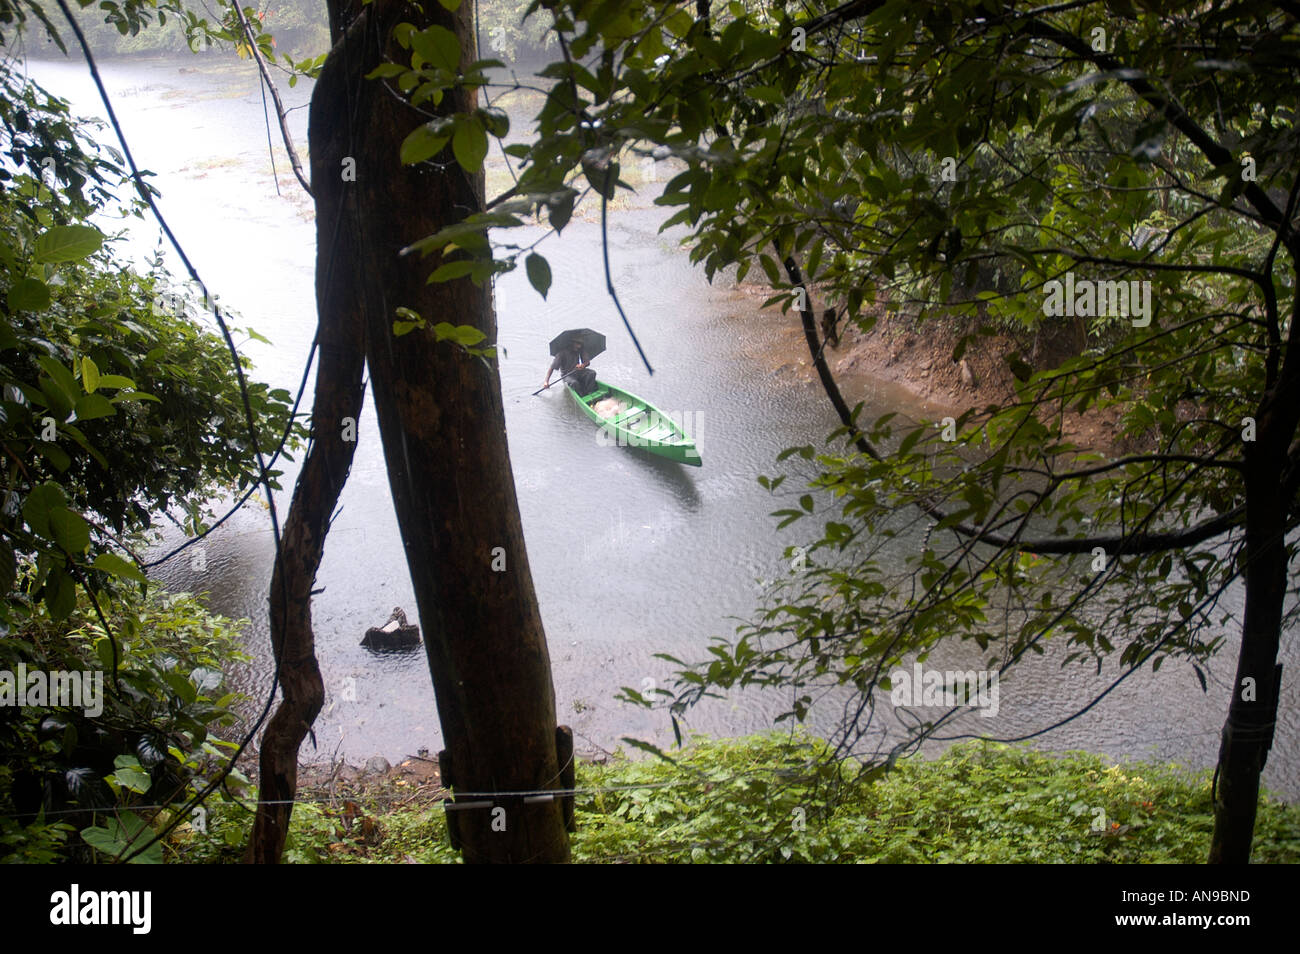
x=590 y=343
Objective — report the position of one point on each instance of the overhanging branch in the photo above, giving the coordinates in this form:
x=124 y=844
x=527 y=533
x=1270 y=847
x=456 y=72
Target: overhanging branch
x=1129 y=544
x=275 y=98
x=1170 y=108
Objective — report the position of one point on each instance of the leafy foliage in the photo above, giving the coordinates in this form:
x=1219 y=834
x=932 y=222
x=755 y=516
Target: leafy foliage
x=294 y=33
x=513 y=30
x=735 y=801
x=152 y=743
x=116 y=408
x=960 y=160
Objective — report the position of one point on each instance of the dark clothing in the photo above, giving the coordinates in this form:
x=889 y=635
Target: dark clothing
x=566 y=359
x=584 y=381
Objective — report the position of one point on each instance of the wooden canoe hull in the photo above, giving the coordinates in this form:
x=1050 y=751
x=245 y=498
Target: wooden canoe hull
x=635 y=422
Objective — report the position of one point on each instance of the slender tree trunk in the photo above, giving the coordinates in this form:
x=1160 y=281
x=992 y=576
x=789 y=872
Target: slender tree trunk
x=1270 y=488
x=442 y=422
x=337 y=405
x=1248 y=731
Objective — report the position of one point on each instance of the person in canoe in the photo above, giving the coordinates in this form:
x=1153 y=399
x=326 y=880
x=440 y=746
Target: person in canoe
x=571 y=360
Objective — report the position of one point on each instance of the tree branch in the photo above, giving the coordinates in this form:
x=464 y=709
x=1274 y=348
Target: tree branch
x=1131 y=544
x=275 y=98
x=1168 y=106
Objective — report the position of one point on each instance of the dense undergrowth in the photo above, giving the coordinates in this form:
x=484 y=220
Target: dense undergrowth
x=72 y=778
x=756 y=800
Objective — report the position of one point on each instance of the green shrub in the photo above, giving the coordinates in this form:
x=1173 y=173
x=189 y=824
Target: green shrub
x=65 y=770
x=776 y=798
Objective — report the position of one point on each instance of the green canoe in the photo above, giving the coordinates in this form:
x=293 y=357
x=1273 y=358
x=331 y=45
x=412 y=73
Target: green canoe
x=634 y=422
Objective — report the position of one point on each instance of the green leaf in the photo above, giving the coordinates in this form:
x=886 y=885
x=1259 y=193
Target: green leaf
x=104 y=650
x=452 y=5
x=124 y=835
x=410 y=320
x=466 y=335
x=130 y=774
x=123 y=569
x=68 y=243
x=182 y=687
x=470 y=143
x=29 y=294
x=424 y=142
x=89 y=374
x=788 y=517
x=75 y=433
x=56 y=399
x=1019 y=368
x=467 y=235
x=439 y=46
x=54 y=454
x=40 y=503
x=116 y=381
x=69 y=530
x=386 y=71
x=539 y=273
x=804 y=450
x=449 y=271
x=91 y=406
x=559 y=208
x=61 y=376
x=60 y=595
x=601 y=173
x=496 y=121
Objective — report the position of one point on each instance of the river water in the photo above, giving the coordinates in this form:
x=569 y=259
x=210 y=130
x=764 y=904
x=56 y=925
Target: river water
x=637 y=555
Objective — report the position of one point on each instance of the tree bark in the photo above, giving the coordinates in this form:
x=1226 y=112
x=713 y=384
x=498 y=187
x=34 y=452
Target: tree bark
x=1248 y=730
x=1252 y=713
x=442 y=422
x=339 y=395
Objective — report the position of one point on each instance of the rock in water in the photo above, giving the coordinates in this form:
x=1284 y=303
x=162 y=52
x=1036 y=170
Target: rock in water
x=397 y=633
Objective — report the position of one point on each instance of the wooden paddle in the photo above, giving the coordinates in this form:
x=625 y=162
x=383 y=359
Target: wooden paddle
x=557 y=381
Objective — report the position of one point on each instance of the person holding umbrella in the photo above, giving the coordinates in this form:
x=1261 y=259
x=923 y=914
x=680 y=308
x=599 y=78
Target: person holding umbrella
x=573 y=351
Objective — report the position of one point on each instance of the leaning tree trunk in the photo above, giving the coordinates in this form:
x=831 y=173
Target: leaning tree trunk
x=442 y=422
x=337 y=405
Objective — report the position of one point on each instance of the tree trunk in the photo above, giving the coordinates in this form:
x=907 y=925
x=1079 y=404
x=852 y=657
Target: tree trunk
x=1270 y=488
x=442 y=422
x=339 y=395
x=1248 y=731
